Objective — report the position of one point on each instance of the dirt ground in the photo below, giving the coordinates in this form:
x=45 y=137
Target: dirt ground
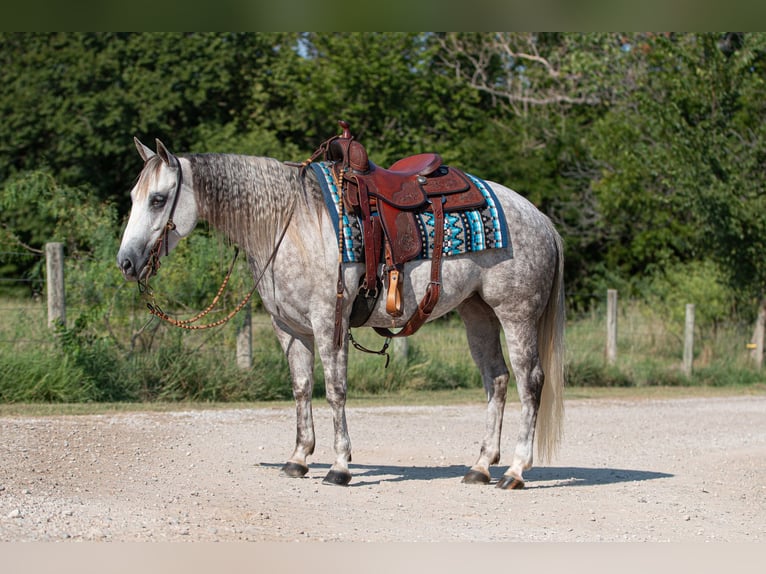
x=679 y=470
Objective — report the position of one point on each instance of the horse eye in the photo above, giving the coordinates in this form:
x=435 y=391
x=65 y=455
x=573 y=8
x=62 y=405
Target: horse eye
x=158 y=201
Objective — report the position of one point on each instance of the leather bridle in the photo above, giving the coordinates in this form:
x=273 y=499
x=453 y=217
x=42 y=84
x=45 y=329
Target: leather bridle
x=153 y=264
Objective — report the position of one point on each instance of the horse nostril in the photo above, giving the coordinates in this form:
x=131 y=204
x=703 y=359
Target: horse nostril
x=126 y=265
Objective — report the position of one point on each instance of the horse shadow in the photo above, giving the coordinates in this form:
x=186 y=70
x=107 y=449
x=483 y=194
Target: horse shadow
x=538 y=477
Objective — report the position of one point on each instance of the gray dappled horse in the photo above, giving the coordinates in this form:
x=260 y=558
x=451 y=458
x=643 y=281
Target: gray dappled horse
x=277 y=215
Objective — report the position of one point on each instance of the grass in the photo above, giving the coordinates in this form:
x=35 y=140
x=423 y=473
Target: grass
x=128 y=365
x=650 y=351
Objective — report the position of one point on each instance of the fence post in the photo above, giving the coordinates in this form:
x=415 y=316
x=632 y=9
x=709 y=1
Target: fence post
x=245 y=339
x=54 y=271
x=689 y=340
x=756 y=347
x=401 y=349
x=611 y=326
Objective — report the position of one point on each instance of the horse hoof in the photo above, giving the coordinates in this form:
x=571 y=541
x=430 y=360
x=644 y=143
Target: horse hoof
x=475 y=477
x=510 y=483
x=337 y=478
x=294 y=470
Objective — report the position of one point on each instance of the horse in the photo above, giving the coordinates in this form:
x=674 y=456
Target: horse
x=277 y=215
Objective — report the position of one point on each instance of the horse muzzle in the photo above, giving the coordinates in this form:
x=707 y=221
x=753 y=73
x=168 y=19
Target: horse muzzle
x=132 y=269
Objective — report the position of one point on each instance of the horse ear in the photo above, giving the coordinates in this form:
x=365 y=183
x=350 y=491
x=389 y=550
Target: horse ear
x=163 y=152
x=143 y=151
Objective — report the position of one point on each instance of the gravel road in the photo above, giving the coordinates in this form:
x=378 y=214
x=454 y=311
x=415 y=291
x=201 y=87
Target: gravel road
x=679 y=470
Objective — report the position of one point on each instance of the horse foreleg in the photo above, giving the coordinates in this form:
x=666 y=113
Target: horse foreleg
x=483 y=332
x=300 y=357
x=334 y=362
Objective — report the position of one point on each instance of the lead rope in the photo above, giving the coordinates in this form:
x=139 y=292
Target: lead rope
x=155 y=309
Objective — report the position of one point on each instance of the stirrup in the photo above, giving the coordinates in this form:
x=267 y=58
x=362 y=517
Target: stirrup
x=394 y=296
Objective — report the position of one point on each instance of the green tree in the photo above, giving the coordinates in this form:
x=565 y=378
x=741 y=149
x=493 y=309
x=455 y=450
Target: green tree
x=682 y=159
x=541 y=94
x=391 y=88
x=71 y=102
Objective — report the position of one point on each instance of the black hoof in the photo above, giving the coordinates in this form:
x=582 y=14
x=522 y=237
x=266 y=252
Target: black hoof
x=294 y=470
x=510 y=483
x=475 y=477
x=337 y=478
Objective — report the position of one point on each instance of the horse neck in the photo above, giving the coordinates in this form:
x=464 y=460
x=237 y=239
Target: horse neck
x=249 y=199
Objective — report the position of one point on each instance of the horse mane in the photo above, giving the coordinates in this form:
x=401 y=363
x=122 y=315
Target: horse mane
x=249 y=199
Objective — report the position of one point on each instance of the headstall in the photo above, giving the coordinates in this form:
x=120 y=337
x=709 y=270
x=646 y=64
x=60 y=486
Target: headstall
x=153 y=265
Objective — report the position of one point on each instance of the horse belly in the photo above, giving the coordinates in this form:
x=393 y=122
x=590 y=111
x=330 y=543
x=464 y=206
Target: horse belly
x=462 y=276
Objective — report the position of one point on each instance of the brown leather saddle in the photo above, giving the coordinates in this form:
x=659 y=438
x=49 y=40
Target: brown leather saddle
x=385 y=202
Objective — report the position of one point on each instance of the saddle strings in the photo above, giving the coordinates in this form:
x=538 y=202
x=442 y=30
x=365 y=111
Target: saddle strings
x=339 y=296
x=339 y=181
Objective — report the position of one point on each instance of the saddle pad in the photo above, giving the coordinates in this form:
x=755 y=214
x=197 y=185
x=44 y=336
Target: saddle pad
x=464 y=231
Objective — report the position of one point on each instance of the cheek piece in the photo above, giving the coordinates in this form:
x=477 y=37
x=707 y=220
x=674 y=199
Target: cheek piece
x=162 y=241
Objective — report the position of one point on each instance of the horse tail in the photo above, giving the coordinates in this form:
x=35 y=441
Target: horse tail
x=550 y=340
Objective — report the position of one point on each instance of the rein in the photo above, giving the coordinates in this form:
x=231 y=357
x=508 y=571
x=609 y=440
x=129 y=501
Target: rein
x=153 y=265
x=155 y=309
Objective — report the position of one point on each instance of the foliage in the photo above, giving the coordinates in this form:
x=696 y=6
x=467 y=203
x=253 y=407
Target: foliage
x=681 y=159
x=669 y=292
x=36 y=209
x=390 y=87
x=648 y=151
x=76 y=366
x=73 y=101
x=39 y=376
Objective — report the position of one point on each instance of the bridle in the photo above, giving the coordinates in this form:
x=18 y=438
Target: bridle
x=153 y=265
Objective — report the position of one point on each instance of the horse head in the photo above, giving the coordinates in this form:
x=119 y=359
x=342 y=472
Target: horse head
x=163 y=211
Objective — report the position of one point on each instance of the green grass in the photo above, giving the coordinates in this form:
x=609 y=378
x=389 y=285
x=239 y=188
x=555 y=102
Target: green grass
x=124 y=361
x=650 y=353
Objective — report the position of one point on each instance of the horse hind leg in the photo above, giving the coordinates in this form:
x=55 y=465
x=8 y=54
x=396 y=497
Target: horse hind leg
x=530 y=378
x=483 y=332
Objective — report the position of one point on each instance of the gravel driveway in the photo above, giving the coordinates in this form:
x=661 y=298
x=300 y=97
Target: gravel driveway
x=676 y=470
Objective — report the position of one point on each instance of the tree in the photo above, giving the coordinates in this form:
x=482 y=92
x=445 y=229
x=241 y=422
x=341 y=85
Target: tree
x=542 y=93
x=681 y=160
x=71 y=102
x=392 y=90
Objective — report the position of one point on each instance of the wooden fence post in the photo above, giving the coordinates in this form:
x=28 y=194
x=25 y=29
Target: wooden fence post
x=756 y=347
x=401 y=349
x=689 y=340
x=54 y=271
x=245 y=339
x=611 y=326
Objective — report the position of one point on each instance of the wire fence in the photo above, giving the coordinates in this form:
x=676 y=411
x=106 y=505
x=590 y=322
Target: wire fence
x=26 y=310
x=34 y=308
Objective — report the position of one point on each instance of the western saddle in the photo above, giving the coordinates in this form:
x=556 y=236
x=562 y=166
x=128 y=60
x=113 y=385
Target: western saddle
x=385 y=202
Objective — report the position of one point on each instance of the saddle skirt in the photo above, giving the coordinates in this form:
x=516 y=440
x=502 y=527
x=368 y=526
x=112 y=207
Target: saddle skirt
x=465 y=231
